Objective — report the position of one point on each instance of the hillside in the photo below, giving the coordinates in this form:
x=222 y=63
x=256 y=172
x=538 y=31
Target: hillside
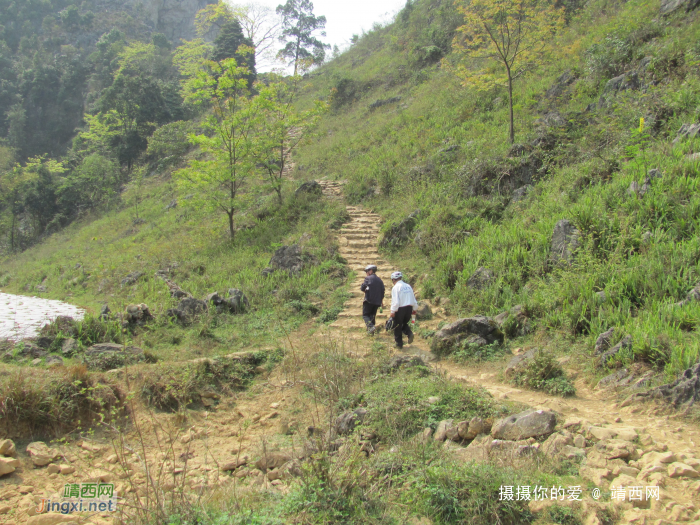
x=559 y=272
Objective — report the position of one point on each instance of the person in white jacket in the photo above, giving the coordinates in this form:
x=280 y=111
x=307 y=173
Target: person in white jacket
x=403 y=305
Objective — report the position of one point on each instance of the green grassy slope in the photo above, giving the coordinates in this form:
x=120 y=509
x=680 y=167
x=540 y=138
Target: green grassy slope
x=397 y=159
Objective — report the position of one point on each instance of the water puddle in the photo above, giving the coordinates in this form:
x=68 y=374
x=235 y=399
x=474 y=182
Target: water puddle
x=23 y=316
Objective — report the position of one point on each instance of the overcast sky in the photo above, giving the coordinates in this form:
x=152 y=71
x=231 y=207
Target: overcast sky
x=346 y=17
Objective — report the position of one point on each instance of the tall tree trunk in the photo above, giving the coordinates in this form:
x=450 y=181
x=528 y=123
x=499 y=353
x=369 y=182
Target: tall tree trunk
x=230 y=224
x=510 y=102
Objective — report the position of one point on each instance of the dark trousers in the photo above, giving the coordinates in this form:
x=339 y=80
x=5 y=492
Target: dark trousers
x=402 y=323
x=369 y=313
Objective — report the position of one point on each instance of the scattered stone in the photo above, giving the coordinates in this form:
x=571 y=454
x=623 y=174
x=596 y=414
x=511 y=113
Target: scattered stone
x=400 y=233
x=480 y=279
x=105 y=312
x=107 y=356
x=7 y=448
x=235 y=303
x=579 y=441
x=53 y=469
x=556 y=443
x=67 y=469
x=401 y=361
x=530 y=423
x=442 y=428
x=519 y=361
x=684 y=391
x=565 y=241
x=606 y=357
x=235 y=464
x=41 y=454
x=288 y=258
x=471 y=429
x=8 y=465
x=446 y=340
x=693 y=295
x=423 y=312
x=687 y=131
x=131 y=278
x=187 y=310
x=681 y=470
x=309 y=188
x=51 y=518
x=346 y=423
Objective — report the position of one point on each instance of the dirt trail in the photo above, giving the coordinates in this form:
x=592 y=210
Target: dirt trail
x=358 y=241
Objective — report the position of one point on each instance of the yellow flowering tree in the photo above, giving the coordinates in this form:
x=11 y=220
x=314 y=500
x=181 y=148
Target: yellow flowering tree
x=512 y=34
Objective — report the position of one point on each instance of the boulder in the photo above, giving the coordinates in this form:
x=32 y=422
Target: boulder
x=131 y=278
x=400 y=233
x=69 y=347
x=235 y=303
x=520 y=193
x=41 y=454
x=519 y=326
x=565 y=241
x=346 y=423
x=7 y=448
x=519 y=361
x=606 y=357
x=442 y=429
x=105 y=313
x=480 y=279
x=603 y=342
x=471 y=429
x=272 y=460
x=531 y=423
x=447 y=339
x=187 y=310
x=288 y=258
x=423 y=312
x=8 y=465
x=669 y=6
x=309 y=188
x=553 y=119
x=32 y=351
x=555 y=443
x=54 y=360
x=558 y=88
x=107 y=356
x=137 y=315
x=625 y=82
x=400 y=361
x=692 y=296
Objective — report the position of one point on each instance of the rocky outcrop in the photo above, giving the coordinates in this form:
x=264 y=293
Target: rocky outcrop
x=687 y=131
x=107 y=356
x=514 y=322
x=607 y=356
x=187 y=310
x=692 y=296
x=346 y=423
x=288 y=258
x=480 y=279
x=669 y=6
x=137 y=315
x=309 y=188
x=423 y=312
x=519 y=362
x=684 y=392
x=565 y=241
x=477 y=330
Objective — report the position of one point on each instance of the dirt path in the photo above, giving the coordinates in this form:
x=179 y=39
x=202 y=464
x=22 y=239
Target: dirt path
x=598 y=408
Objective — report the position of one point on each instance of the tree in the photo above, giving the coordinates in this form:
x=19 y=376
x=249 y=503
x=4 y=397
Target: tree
x=282 y=128
x=510 y=33
x=298 y=26
x=219 y=178
x=261 y=26
x=227 y=45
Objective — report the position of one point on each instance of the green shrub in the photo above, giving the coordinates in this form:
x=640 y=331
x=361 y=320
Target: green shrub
x=543 y=372
x=474 y=352
x=564 y=515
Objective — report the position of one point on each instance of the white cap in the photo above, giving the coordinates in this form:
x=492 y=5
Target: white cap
x=396 y=275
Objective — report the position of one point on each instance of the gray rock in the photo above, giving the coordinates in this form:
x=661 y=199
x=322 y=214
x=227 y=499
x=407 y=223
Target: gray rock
x=187 y=310
x=236 y=303
x=423 y=312
x=309 y=188
x=266 y=272
x=521 y=326
x=531 y=423
x=613 y=379
x=521 y=193
x=41 y=288
x=564 y=80
x=107 y=356
x=346 y=423
x=288 y=258
x=603 y=342
x=687 y=131
x=565 y=241
x=53 y=360
x=472 y=428
x=692 y=296
x=131 y=278
x=442 y=429
x=30 y=350
x=214 y=298
x=380 y=103
x=105 y=312
x=684 y=392
x=669 y=6
x=626 y=81
x=401 y=361
x=552 y=119
x=519 y=361
x=654 y=173
x=449 y=337
x=137 y=315
x=171 y=205
x=69 y=347
x=400 y=233
x=606 y=357
x=480 y=279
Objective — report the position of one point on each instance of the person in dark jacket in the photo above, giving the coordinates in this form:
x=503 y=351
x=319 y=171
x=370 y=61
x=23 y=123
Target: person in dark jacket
x=373 y=287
